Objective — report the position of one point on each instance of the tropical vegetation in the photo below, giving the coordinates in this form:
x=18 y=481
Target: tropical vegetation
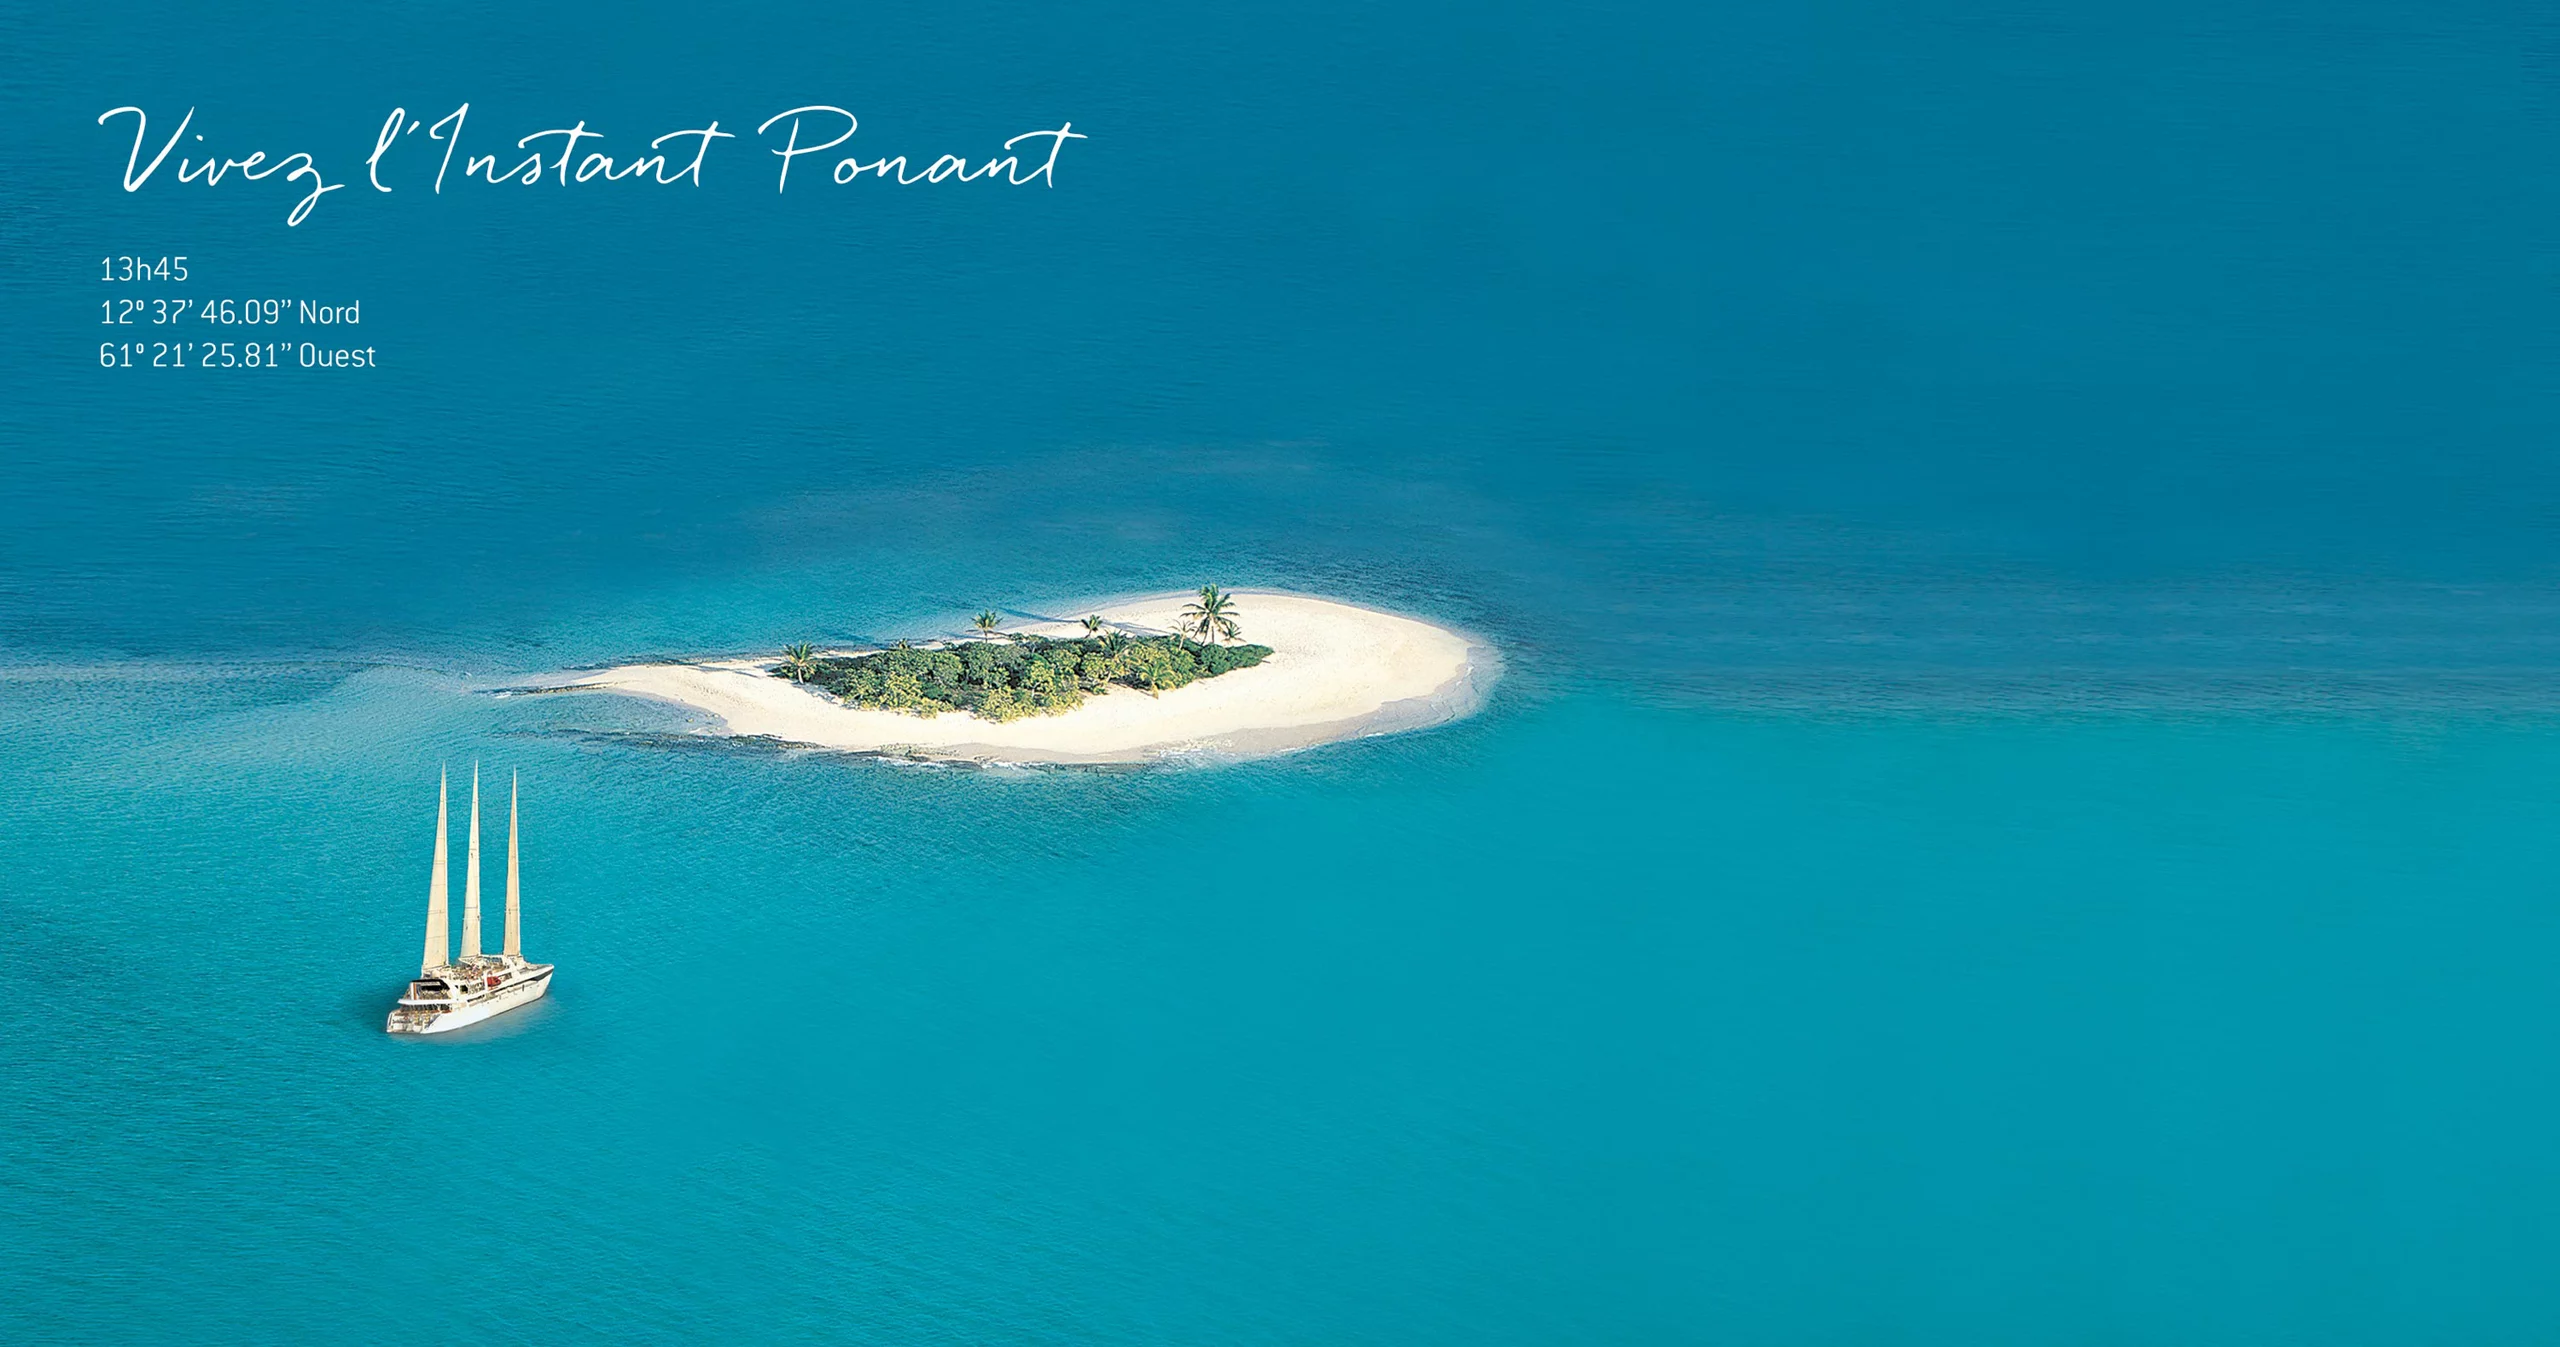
x=1211 y=617
x=1024 y=676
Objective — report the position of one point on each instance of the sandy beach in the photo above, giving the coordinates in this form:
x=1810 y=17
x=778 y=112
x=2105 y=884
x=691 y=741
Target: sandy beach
x=1336 y=671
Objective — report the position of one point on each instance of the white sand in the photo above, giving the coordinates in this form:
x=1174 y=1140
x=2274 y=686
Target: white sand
x=1335 y=672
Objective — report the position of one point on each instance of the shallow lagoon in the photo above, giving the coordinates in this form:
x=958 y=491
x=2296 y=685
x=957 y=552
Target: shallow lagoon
x=1577 y=1019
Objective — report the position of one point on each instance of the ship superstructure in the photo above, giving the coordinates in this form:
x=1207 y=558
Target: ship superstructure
x=450 y=992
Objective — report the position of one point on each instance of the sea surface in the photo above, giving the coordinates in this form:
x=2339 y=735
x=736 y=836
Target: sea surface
x=2018 y=809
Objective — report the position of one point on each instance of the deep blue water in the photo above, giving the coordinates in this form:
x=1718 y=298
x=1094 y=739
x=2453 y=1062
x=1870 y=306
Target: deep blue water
x=2020 y=541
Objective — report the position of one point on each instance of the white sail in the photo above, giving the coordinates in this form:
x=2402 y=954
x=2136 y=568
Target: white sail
x=439 y=927
x=471 y=879
x=515 y=913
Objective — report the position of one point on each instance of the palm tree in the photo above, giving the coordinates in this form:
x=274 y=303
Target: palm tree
x=986 y=622
x=1093 y=625
x=799 y=662
x=1212 y=615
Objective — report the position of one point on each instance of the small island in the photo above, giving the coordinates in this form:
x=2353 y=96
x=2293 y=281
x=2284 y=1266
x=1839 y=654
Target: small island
x=1132 y=681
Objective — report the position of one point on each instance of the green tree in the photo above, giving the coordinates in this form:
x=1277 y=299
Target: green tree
x=799 y=663
x=1093 y=625
x=982 y=666
x=1212 y=616
x=901 y=691
x=942 y=674
x=1151 y=666
x=986 y=622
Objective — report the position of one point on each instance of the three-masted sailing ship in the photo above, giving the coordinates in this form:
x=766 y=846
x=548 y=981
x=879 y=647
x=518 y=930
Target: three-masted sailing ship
x=449 y=993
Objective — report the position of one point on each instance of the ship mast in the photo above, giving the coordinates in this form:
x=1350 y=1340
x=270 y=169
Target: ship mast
x=471 y=880
x=438 y=926
x=515 y=915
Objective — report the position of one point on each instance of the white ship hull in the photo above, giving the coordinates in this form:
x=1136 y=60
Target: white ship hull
x=522 y=992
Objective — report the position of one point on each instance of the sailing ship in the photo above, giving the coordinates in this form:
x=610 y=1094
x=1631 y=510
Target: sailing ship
x=449 y=993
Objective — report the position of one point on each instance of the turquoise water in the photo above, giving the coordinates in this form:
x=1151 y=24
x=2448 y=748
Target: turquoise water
x=2016 y=811
x=1577 y=1021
